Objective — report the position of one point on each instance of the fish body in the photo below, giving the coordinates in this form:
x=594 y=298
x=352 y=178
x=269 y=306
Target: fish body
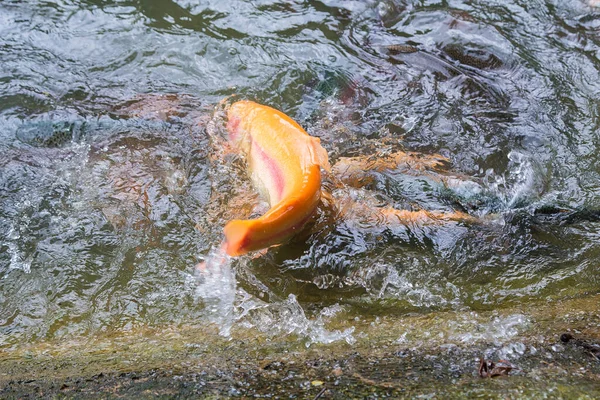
x=285 y=166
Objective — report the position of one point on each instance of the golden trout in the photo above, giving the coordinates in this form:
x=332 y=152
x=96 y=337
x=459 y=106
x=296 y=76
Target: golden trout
x=285 y=166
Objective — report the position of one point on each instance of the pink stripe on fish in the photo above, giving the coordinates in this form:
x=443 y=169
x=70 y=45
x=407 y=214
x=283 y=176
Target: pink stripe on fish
x=274 y=171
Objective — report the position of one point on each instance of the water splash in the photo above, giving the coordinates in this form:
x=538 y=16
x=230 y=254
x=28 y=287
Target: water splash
x=546 y=114
x=497 y=331
x=227 y=305
x=523 y=183
x=287 y=317
x=217 y=288
x=17 y=260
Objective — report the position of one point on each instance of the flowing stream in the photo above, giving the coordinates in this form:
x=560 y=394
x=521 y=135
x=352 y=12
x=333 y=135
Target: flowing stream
x=114 y=184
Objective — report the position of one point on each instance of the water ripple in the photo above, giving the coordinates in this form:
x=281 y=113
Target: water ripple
x=104 y=210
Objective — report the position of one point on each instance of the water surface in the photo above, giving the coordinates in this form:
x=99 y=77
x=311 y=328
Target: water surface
x=107 y=204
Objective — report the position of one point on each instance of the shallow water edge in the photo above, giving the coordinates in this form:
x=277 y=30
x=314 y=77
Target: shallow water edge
x=383 y=362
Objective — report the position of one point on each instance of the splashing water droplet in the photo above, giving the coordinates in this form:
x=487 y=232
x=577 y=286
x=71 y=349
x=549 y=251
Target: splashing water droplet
x=217 y=288
x=17 y=260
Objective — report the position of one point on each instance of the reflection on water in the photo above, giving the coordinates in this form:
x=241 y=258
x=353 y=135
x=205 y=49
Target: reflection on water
x=110 y=194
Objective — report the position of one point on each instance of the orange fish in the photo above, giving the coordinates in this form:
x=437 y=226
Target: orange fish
x=285 y=166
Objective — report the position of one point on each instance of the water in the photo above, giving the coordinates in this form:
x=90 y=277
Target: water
x=114 y=183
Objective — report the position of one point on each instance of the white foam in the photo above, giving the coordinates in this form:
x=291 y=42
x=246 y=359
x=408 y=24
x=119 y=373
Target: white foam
x=498 y=330
x=217 y=289
x=228 y=306
x=523 y=184
x=17 y=260
x=287 y=317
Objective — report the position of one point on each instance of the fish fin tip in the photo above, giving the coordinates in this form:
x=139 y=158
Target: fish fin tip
x=236 y=237
x=320 y=154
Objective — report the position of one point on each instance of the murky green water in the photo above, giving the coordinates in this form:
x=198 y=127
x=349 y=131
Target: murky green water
x=105 y=208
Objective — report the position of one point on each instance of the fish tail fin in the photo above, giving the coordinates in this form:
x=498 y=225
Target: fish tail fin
x=237 y=237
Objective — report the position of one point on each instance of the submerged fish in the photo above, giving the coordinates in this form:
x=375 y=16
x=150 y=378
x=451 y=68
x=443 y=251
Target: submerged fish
x=285 y=165
x=52 y=134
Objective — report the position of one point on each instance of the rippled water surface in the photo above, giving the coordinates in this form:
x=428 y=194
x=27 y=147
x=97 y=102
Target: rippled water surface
x=112 y=190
